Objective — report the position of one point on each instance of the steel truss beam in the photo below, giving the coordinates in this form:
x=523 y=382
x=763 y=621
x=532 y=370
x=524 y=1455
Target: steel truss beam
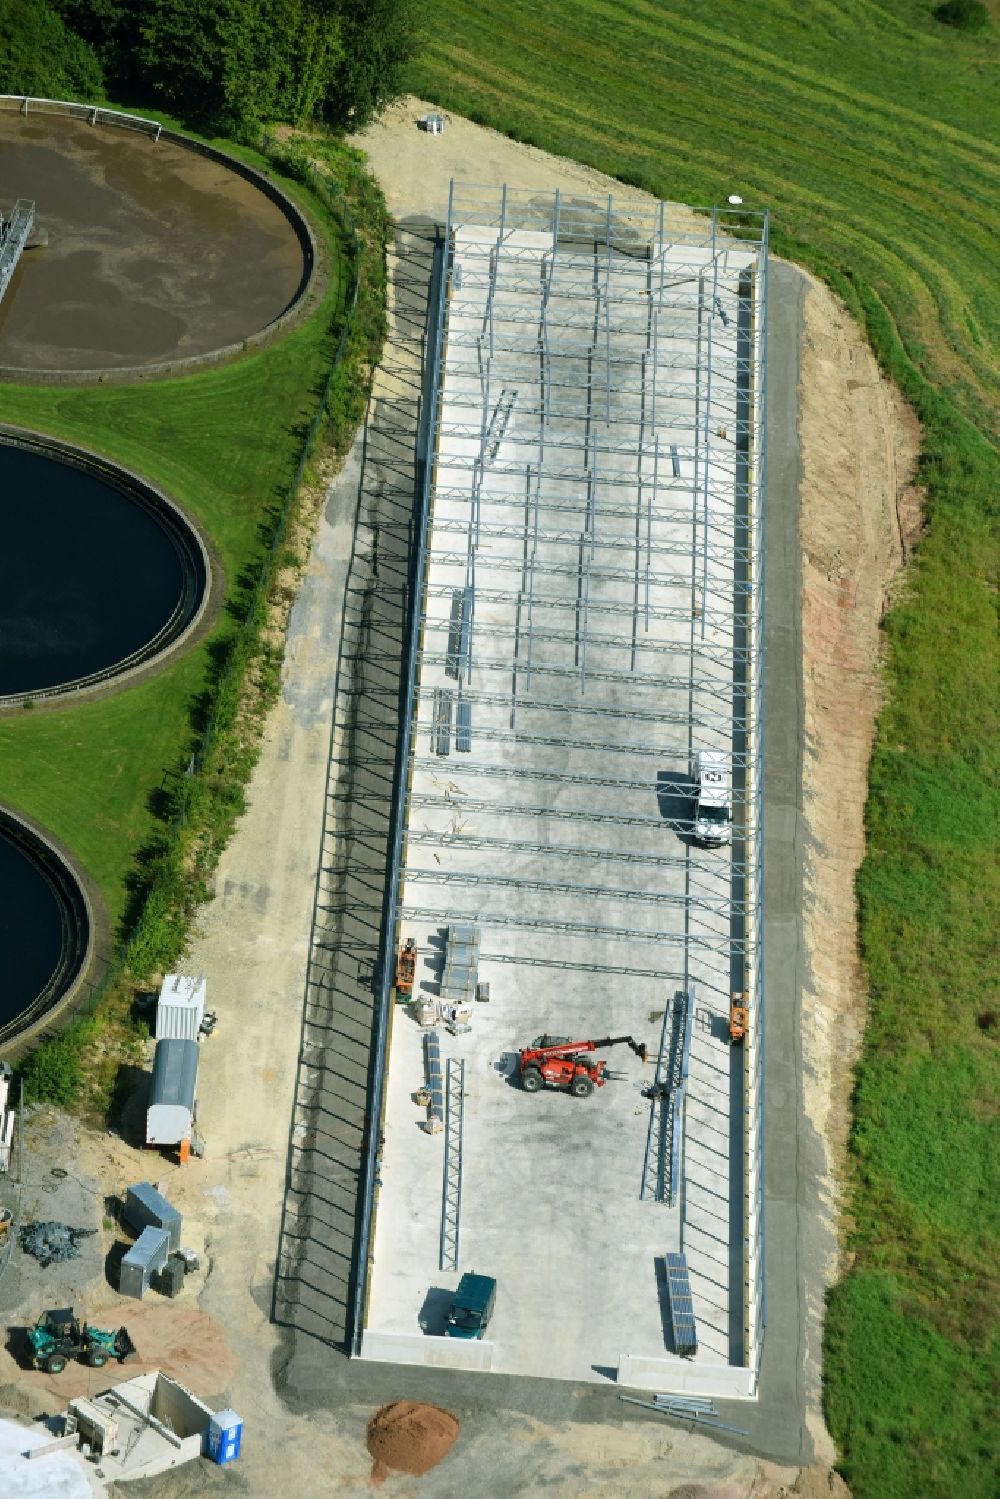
x=674 y=581
x=508 y=664
x=528 y=412
x=584 y=965
x=524 y=741
x=719 y=945
x=464 y=880
x=706 y=649
x=605 y=510
x=435 y=625
x=461 y=805
x=639 y=715
x=608 y=442
x=451 y=1191
x=514 y=846
x=611 y=479
x=723 y=555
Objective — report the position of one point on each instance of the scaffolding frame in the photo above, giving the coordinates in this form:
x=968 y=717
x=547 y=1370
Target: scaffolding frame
x=589 y=589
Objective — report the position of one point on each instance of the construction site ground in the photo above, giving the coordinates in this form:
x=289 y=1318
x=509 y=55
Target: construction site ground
x=305 y=1405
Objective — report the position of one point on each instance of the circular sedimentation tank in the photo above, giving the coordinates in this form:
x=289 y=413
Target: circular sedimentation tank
x=45 y=925
x=100 y=575
x=152 y=252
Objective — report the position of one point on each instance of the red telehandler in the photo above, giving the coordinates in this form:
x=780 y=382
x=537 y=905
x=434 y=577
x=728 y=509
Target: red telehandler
x=558 y=1062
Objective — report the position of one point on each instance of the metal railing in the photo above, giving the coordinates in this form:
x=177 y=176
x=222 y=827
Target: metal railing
x=93 y=114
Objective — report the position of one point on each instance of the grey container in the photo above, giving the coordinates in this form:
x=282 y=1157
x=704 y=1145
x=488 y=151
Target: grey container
x=145 y=1206
x=147 y=1255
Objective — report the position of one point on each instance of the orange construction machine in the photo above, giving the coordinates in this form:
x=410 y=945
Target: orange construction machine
x=406 y=967
x=558 y=1062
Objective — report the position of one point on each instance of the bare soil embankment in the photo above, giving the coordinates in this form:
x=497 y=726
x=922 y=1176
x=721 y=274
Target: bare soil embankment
x=860 y=516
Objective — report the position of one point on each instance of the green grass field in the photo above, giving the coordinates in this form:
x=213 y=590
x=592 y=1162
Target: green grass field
x=871 y=133
x=224 y=443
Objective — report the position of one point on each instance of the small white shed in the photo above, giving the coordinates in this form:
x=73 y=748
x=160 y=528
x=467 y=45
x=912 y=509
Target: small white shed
x=180 y=1008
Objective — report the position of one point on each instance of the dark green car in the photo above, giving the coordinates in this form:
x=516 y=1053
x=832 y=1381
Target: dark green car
x=472 y=1307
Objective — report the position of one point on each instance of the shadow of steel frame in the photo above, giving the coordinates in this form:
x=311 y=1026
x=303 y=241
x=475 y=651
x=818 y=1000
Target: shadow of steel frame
x=385 y=969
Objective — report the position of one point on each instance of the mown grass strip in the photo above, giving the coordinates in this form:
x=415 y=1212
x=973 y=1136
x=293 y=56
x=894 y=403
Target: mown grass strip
x=224 y=443
x=868 y=130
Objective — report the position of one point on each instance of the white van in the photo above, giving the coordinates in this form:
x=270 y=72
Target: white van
x=713 y=809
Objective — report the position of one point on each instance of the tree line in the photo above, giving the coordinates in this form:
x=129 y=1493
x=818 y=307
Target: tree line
x=225 y=64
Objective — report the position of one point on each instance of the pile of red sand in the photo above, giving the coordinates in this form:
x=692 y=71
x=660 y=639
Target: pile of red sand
x=410 y=1438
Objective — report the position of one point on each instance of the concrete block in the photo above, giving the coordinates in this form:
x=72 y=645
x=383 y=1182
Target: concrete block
x=677 y=1376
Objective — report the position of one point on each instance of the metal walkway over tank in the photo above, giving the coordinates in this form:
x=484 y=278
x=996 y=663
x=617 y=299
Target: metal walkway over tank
x=13 y=238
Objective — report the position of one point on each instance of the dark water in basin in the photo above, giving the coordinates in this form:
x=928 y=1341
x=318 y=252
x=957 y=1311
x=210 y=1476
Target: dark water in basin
x=31 y=928
x=88 y=575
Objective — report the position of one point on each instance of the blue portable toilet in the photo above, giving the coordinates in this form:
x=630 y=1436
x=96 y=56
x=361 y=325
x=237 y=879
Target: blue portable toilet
x=224 y=1437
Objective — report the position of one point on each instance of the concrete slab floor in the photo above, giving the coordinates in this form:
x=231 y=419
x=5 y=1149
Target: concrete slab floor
x=601 y=655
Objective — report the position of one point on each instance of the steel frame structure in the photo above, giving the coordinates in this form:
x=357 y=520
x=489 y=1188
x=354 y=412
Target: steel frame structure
x=589 y=588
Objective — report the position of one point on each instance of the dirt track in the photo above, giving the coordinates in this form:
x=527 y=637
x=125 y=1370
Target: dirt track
x=858 y=447
x=860 y=516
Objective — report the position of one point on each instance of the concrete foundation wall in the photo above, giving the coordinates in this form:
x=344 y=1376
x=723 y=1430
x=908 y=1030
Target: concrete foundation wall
x=177 y=1407
x=676 y=1376
x=432 y=1353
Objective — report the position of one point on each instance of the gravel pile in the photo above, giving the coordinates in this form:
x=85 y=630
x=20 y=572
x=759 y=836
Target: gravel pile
x=407 y=1437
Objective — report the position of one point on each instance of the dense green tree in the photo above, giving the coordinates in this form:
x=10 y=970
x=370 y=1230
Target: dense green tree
x=40 y=55
x=182 y=54
x=237 y=62
x=111 y=27
x=279 y=58
x=379 y=38
x=966 y=15
x=231 y=64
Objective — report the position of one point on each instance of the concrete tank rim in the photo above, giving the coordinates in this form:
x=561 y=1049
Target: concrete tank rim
x=312 y=284
x=97 y=952
x=157 y=502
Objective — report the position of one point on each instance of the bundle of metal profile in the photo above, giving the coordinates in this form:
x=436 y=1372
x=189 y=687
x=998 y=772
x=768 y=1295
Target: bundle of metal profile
x=686 y=1403
x=461 y=963
x=441 y=732
x=435 y=1077
x=459 y=632
x=684 y=1408
x=681 y=1305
